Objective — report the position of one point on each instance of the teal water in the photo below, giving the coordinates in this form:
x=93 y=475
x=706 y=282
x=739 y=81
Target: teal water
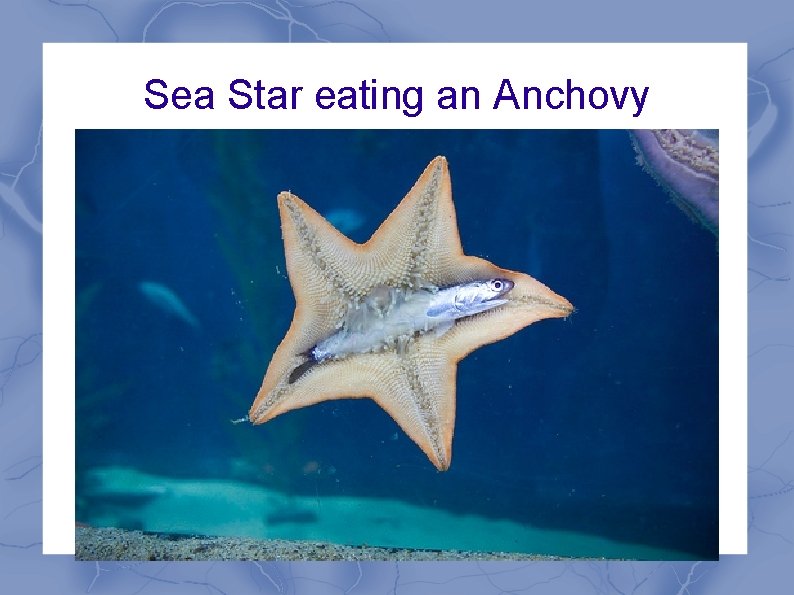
x=592 y=436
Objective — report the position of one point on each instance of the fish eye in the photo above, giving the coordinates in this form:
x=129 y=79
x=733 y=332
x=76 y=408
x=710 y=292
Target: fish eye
x=497 y=285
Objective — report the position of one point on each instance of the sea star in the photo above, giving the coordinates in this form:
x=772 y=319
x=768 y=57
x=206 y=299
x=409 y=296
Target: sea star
x=413 y=380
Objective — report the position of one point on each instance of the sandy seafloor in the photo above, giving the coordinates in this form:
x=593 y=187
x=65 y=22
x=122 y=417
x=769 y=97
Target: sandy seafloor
x=118 y=544
x=151 y=517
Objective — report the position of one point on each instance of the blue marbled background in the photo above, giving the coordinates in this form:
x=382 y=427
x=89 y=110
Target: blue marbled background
x=766 y=25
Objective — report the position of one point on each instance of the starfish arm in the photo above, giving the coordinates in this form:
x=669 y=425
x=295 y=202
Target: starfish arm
x=320 y=383
x=528 y=302
x=417 y=389
x=322 y=264
x=419 y=239
x=418 y=392
x=415 y=242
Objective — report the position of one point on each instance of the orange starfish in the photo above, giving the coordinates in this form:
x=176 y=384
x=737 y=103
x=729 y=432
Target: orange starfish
x=418 y=245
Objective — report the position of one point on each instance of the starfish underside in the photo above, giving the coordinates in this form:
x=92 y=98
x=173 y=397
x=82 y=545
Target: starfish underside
x=418 y=245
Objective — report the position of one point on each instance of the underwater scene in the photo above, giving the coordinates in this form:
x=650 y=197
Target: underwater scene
x=592 y=433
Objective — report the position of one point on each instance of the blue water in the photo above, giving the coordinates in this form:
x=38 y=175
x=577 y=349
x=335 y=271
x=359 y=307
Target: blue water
x=602 y=424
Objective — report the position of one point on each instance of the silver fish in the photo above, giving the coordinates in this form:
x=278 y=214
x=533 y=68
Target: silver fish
x=391 y=316
x=460 y=301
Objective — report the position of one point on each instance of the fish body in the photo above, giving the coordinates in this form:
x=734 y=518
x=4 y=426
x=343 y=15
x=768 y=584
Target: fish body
x=165 y=299
x=390 y=316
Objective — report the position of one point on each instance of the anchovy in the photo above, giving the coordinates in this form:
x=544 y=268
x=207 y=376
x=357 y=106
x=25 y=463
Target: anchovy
x=460 y=301
x=391 y=316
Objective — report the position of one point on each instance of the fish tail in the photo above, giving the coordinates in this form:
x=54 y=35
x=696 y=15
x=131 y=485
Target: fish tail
x=302 y=368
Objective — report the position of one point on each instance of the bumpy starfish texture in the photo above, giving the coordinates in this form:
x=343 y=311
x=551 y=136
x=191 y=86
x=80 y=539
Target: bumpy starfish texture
x=417 y=245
